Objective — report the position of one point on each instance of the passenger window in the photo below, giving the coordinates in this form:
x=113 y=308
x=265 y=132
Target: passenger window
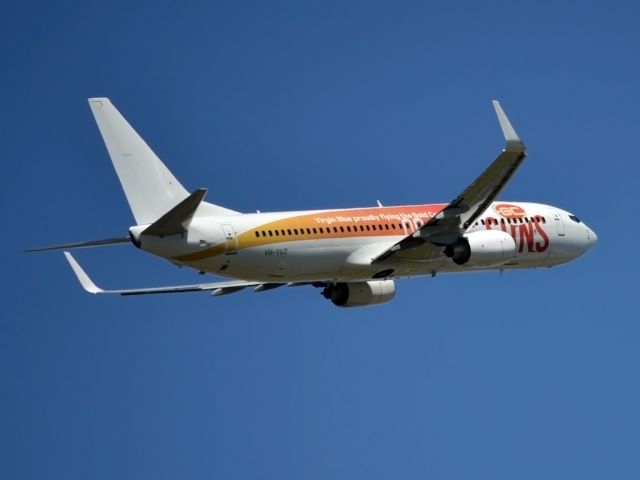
x=342 y=229
x=289 y=231
x=277 y=234
x=270 y=233
x=257 y=233
x=386 y=226
x=308 y=231
x=314 y=230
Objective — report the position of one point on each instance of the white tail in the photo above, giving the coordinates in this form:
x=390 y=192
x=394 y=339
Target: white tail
x=150 y=188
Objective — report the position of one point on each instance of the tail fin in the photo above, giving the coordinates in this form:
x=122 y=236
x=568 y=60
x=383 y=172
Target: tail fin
x=150 y=188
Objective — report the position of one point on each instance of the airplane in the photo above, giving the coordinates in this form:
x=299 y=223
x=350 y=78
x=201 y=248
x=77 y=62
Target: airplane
x=354 y=255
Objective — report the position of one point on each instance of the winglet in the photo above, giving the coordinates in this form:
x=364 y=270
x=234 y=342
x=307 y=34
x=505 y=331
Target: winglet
x=514 y=143
x=84 y=279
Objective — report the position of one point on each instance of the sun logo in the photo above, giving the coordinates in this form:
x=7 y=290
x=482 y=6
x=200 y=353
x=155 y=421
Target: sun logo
x=508 y=210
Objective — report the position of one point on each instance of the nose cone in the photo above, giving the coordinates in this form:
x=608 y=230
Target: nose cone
x=592 y=238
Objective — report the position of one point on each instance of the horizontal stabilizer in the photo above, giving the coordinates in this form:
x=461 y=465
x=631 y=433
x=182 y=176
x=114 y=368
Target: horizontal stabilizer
x=92 y=243
x=177 y=219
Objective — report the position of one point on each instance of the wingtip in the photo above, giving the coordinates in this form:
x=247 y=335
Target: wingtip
x=513 y=141
x=82 y=276
x=98 y=102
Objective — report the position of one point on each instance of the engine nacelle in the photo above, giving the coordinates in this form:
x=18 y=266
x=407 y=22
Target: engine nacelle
x=487 y=248
x=360 y=294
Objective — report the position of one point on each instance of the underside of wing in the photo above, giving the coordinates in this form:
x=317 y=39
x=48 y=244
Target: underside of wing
x=216 y=288
x=450 y=224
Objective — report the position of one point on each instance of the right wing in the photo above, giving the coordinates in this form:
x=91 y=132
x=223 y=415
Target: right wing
x=450 y=224
x=216 y=288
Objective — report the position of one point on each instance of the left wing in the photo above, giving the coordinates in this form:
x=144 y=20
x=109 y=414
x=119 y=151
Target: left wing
x=451 y=223
x=216 y=288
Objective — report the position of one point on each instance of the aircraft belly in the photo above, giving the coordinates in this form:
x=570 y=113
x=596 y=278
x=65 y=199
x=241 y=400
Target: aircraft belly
x=289 y=261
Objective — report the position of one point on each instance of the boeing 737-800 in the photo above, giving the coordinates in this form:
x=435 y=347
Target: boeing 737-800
x=353 y=254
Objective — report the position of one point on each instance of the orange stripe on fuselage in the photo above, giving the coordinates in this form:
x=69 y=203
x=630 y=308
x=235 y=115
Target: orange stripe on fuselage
x=361 y=222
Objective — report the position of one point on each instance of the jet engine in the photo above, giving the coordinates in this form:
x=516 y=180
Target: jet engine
x=486 y=248
x=360 y=294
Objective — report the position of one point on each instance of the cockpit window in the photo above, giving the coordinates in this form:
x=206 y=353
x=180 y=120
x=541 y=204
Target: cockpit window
x=574 y=218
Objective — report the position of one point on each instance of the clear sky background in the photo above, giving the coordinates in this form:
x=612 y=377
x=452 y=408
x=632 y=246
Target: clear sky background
x=296 y=105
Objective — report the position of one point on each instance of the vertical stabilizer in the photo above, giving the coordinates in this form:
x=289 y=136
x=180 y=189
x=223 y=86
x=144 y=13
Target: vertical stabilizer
x=150 y=188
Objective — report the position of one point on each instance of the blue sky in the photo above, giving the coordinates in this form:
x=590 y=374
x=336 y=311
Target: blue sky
x=294 y=105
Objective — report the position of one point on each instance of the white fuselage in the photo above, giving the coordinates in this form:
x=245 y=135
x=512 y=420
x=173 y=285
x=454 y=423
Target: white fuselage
x=353 y=254
x=338 y=245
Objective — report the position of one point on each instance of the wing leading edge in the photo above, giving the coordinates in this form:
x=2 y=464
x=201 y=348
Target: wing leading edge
x=450 y=224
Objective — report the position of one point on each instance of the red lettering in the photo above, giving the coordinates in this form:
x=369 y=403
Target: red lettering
x=489 y=221
x=541 y=247
x=526 y=234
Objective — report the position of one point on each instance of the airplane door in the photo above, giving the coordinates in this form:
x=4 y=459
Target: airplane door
x=559 y=224
x=231 y=241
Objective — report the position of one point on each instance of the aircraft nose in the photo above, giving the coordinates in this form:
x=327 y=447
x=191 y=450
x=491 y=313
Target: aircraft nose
x=592 y=238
